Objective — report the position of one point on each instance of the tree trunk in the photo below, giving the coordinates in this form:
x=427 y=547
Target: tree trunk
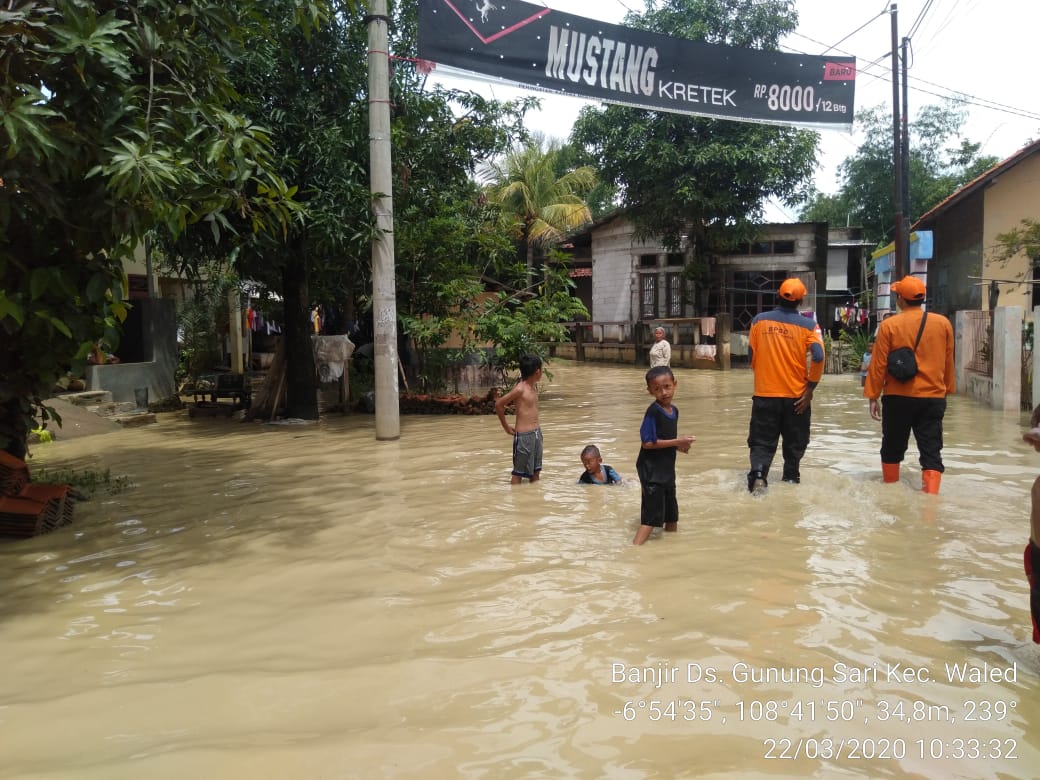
x=529 y=244
x=301 y=384
x=13 y=426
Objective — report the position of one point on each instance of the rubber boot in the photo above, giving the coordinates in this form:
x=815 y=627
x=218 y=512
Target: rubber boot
x=757 y=483
x=890 y=472
x=930 y=480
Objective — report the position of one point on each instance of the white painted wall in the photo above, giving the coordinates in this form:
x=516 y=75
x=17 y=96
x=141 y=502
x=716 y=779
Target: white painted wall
x=615 y=254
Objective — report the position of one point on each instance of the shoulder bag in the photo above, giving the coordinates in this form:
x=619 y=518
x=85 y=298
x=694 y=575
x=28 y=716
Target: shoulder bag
x=902 y=362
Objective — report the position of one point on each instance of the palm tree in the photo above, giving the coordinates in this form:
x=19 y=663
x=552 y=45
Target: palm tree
x=543 y=204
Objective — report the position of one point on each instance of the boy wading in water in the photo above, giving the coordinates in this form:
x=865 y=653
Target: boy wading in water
x=527 y=436
x=656 y=462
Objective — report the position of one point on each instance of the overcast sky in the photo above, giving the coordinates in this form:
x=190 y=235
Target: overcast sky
x=986 y=50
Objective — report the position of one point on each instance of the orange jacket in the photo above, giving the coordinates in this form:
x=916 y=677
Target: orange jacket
x=935 y=372
x=779 y=341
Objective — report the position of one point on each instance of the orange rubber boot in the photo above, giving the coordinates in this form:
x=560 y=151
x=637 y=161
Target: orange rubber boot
x=890 y=472
x=930 y=480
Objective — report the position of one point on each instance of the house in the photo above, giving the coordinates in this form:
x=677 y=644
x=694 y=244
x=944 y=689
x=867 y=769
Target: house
x=148 y=348
x=631 y=284
x=920 y=252
x=965 y=272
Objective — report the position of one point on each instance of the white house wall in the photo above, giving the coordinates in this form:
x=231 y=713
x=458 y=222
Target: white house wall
x=613 y=253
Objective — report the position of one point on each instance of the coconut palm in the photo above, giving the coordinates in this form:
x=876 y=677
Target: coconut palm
x=543 y=204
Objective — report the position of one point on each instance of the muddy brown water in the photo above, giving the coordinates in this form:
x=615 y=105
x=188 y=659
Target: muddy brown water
x=305 y=602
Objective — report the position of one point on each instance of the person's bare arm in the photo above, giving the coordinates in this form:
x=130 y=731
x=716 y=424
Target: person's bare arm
x=682 y=443
x=500 y=408
x=875 y=408
x=1032 y=436
x=805 y=399
x=1034 y=512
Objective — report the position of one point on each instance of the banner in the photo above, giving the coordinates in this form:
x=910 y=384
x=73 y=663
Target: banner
x=547 y=50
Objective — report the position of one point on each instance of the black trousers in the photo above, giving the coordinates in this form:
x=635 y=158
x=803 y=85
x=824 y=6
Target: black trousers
x=903 y=414
x=771 y=420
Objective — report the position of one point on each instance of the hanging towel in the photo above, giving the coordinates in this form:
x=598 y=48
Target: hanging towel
x=707 y=326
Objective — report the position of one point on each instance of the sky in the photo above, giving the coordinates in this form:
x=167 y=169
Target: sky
x=983 y=49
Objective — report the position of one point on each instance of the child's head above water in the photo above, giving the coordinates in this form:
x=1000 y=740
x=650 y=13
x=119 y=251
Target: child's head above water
x=591 y=459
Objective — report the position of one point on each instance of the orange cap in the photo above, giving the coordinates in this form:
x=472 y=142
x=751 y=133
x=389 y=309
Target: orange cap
x=909 y=288
x=792 y=289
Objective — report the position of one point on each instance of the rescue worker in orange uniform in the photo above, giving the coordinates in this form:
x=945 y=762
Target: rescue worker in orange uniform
x=784 y=383
x=919 y=403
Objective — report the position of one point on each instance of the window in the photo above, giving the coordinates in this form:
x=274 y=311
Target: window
x=783 y=247
x=648 y=303
x=648 y=261
x=137 y=285
x=752 y=292
x=676 y=297
x=675 y=258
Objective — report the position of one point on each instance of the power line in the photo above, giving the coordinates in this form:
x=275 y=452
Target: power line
x=920 y=18
x=871 y=19
x=955 y=95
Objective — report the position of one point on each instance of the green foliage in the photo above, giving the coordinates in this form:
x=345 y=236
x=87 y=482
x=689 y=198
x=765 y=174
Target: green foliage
x=115 y=119
x=705 y=178
x=200 y=320
x=89 y=482
x=857 y=341
x=312 y=92
x=1024 y=238
x=603 y=198
x=940 y=163
x=540 y=204
x=362 y=379
x=519 y=324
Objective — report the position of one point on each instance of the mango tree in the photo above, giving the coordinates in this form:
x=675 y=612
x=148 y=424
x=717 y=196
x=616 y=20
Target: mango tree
x=116 y=118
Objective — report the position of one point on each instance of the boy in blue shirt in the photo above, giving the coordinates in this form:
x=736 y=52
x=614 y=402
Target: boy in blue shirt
x=656 y=462
x=595 y=472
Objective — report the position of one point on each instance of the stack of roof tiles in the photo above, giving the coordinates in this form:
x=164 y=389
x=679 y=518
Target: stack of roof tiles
x=26 y=508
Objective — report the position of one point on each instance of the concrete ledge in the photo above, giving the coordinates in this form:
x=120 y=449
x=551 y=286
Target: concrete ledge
x=88 y=398
x=135 y=420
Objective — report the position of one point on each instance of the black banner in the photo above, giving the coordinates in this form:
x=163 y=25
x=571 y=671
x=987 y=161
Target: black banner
x=537 y=47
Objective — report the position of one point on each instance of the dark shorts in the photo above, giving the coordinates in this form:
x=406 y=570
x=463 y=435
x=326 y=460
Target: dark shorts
x=527 y=453
x=658 y=505
x=903 y=415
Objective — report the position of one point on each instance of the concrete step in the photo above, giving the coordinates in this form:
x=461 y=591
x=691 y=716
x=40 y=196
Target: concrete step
x=135 y=420
x=89 y=397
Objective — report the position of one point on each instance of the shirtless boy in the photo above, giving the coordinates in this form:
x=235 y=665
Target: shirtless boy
x=527 y=436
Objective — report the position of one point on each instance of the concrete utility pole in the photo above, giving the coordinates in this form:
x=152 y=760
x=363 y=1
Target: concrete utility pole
x=899 y=265
x=904 y=147
x=384 y=294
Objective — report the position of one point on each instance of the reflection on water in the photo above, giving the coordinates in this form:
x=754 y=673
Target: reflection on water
x=283 y=602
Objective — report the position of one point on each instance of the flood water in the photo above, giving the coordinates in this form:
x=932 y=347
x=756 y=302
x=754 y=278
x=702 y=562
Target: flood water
x=306 y=602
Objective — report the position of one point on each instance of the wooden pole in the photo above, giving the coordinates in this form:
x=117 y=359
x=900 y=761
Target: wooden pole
x=278 y=395
x=404 y=378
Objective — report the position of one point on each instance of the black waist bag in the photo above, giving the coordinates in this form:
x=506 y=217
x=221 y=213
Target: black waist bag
x=902 y=362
